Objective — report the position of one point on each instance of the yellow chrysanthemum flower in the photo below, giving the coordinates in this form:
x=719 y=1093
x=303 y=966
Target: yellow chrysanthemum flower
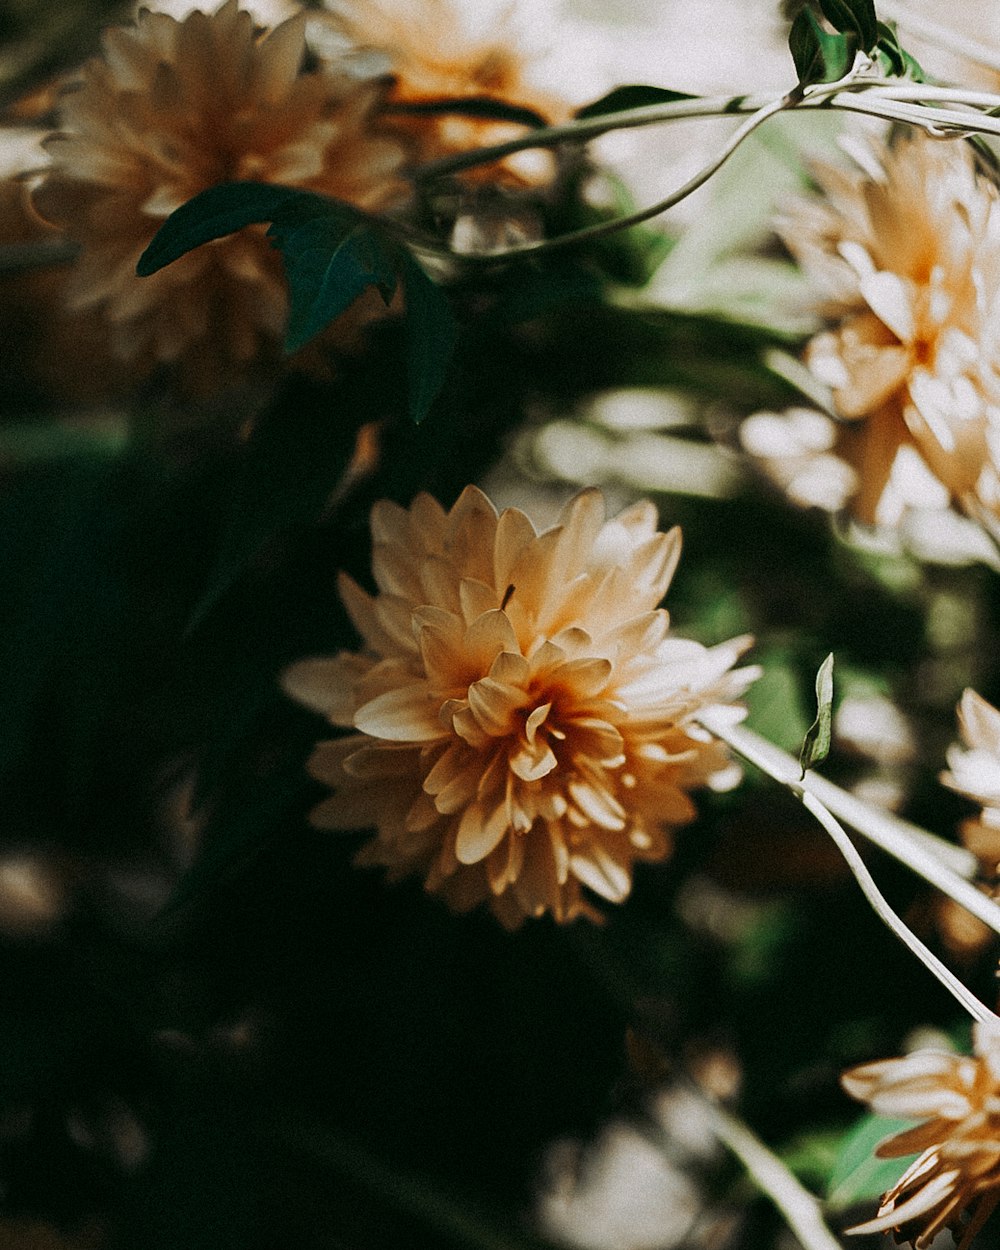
x=955 y=1182
x=906 y=254
x=525 y=726
x=174 y=107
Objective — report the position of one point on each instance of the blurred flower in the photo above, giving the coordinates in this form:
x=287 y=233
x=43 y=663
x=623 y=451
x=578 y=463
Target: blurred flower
x=957 y=1100
x=170 y=109
x=906 y=256
x=527 y=726
x=440 y=50
x=975 y=772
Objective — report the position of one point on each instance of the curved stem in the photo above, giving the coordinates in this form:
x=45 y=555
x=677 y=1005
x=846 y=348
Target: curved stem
x=743 y=742
x=643 y=214
x=774 y=1179
x=979 y=1011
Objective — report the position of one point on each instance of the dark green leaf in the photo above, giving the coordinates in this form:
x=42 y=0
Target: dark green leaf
x=816 y=746
x=858 y=1175
x=853 y=17
x=818 y=55
x=894 y=58
x=635 y=96
x=431 y=334
x=327 y=271
x=471 y=106
x=219 y=211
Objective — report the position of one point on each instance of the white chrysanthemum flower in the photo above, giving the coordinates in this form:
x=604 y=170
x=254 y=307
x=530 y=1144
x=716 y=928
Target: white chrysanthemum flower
x=525 y=725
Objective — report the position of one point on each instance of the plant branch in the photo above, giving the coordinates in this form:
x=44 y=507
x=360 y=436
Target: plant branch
x=805 y=793
x=799 y=1207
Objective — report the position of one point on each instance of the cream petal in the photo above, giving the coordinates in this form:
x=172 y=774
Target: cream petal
x=495 y=705
x=601 y=874
x=515 y=533
x=488 y=636
x=510 y=669
x=326 y=684
x=476 y=598
x=409 y=714
x=890 y=298
x=597 y=804
x=924 y=1200
x=477 y=834
x=533 y=763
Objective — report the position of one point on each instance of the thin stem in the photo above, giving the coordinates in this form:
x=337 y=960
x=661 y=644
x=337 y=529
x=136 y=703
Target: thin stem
x=814 y=805
x=979 y=1011
x=932 y=119
x=933 y=32
x=774 y=1179
x=594 y=127
x=643 y=214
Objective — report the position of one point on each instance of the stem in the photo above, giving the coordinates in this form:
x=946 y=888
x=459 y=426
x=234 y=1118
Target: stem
x=799 y=1207
x=594 y=127
x=642 y=214
x=742 y=742
x=979 y=1011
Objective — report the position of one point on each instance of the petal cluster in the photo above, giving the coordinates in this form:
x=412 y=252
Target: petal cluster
x=524 y=723
x=974 y=771
x=441 y=50
x=955 y=1181
x=906 y=256
x=173 y=107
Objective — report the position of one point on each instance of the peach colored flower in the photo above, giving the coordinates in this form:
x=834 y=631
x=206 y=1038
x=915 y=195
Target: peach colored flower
x=975 y=772
x=524 y=723
x=955 y=1182
x=170 y=109
x=447 y=50
x=906 y=257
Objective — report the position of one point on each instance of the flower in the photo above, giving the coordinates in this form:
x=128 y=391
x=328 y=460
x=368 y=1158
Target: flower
x=525 y=727
x=975 y=773
x=957 y=1175
x=174 y=107
x=906 y=255
x=439 y=50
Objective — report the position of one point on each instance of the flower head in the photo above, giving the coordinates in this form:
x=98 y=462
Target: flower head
x=440 y=50
x=524 y=724
x=906 y=254
x=955 y=1182
x=174 y=107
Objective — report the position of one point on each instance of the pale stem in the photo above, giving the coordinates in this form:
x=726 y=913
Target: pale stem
x=799 y=1207
x=643 y=214
x=940 y=863
x=811 y=802
x=943 y=36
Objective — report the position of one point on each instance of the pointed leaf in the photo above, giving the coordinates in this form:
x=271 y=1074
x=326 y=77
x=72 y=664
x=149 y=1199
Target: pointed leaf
x=470 y=106
x=858 y=1175
x=219 y=211
x=634 y=96
x=816 y=746
x=853 y=17
x=431 y=334
x=818 y=55
x=327 y=270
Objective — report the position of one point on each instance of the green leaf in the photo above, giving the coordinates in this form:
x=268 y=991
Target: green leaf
x=818 y=55
x=327 y=271
x=431 y=334
x=816 y=746
x=894 y=58
x=484 y=106
x=858 y=1174
x=222 y=210
x=635 y=96
x=853 y=17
